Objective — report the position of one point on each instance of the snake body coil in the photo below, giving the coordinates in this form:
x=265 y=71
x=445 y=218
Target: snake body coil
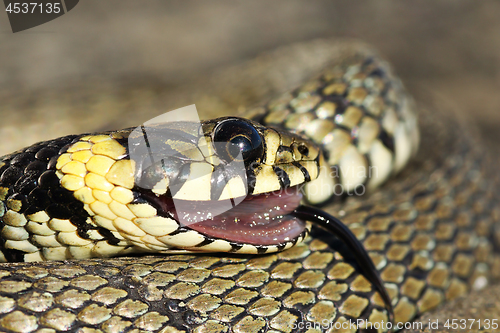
x=350 y=127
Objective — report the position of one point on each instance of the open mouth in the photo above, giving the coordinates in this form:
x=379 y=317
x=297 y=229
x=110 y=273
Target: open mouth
x=260 y=219
x=256 y=219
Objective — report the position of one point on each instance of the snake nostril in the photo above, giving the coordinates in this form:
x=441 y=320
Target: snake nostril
x=303 y=149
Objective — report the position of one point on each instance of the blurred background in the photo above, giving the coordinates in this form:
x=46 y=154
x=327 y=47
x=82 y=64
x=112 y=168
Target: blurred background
x=451 y=47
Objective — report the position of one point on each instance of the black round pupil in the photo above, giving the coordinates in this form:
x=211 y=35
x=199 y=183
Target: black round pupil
x=239 y=144
x=236 y=139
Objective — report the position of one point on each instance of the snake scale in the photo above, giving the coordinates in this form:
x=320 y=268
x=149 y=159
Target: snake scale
x=430 y=231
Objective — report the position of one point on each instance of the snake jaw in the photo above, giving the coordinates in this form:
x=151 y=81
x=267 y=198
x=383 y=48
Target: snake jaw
x=228 y=180
x=260 y=220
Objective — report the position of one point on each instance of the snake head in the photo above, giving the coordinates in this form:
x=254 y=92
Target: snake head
x=222 y=185
x=230 y=180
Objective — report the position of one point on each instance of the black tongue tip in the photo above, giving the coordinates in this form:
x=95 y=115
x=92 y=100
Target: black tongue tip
x=341 y=231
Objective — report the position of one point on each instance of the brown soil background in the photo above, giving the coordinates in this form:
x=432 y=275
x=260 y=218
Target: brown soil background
x=449 y=47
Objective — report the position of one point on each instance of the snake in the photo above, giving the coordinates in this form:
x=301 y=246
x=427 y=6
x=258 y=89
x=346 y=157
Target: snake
x=206 y=226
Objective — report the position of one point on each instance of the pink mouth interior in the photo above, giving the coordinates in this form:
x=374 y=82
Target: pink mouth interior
x=260 y=219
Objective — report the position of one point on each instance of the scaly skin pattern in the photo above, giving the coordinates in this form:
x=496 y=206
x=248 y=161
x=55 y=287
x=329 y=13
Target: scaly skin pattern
x=430 y=232
x=76 y=197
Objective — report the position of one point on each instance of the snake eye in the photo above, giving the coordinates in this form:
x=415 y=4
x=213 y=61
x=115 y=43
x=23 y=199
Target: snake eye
x=234 y=137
